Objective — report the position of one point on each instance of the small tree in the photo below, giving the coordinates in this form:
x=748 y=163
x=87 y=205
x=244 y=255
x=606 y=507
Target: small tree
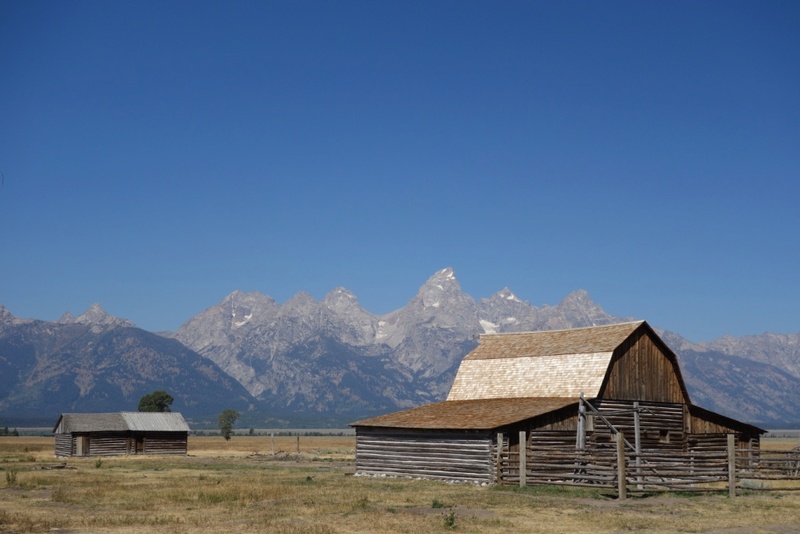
x=226 y=421
x=157 y=401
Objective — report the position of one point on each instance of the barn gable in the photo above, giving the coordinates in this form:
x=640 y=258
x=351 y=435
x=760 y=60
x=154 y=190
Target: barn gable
x=644 y=368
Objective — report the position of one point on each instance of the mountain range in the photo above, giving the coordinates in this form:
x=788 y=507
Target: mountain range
x=329 y=361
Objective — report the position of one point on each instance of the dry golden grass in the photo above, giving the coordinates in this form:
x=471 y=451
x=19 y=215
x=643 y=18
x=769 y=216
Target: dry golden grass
x=779 y=444
x=241 y=486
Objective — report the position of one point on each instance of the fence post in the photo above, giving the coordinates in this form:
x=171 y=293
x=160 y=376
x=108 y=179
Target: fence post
x=621 y=482
x=637 y=429
x=580 y=442
x=498 y=461
x=523 y=456
x=731 y=465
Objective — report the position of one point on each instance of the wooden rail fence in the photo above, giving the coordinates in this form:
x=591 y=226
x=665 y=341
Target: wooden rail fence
x=613 y=466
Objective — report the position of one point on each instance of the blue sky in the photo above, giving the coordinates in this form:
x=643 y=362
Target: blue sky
x=157 y=156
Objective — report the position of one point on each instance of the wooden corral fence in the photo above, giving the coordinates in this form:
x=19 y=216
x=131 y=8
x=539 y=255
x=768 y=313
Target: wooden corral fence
x=771 y=471
x=551 y=458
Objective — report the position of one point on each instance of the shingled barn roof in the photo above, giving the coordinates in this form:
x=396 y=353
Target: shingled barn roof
x=551 y=363
x=480 y=414
x=590 y=339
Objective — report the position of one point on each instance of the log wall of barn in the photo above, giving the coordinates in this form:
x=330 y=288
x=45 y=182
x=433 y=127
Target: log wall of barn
x=559 y=420
x=661 y=425
x=713 y=438
x=466 y=456
x=641 y=369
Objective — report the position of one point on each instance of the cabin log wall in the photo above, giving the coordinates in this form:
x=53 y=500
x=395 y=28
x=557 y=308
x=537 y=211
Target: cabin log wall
x=64 y=445
x=108 y=444
x=122 y=443
x=165 y=443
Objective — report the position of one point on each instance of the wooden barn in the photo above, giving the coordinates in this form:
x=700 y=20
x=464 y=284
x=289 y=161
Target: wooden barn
x=113 y=434
x=561 y=389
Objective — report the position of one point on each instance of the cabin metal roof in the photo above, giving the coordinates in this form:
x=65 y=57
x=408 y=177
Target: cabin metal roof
x=121 y=422
x=479 y=414
x=159 y=421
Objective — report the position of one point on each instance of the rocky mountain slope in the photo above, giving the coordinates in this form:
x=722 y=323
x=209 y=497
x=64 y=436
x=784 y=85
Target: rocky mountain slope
x=333 y=359
x=95 y=362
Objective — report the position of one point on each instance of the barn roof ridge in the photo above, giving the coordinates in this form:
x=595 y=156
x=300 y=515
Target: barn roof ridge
x=556 y=330
x=570 y=341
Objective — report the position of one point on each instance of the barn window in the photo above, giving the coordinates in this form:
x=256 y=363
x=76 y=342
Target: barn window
x=663 y=435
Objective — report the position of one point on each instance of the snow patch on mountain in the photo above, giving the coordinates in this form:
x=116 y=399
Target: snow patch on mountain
x=489 y=327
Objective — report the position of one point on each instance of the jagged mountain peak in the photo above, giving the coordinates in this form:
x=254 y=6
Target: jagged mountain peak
x=341 y=300
x=578 y=309
x=242 y=308
x=506 y=294
x=441 y=289
x=95 y=315
x=578 y=296
x=5 y=315
x=446 y=276
x=340 y=294
x=6 y=318
x=241 y=297
x=580 y=300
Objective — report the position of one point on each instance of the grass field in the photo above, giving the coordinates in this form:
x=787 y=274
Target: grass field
x=242 y=486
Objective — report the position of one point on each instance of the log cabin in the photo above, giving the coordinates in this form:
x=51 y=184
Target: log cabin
x=123 y=433
x=559 y=388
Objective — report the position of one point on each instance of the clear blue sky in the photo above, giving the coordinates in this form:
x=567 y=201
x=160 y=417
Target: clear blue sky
x=158 y=155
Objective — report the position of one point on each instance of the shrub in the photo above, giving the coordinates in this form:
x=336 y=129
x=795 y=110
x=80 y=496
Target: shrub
x=450 y=519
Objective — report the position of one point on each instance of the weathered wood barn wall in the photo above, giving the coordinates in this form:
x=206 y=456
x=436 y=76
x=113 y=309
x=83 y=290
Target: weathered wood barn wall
x=112 y=434
x=534 y=382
